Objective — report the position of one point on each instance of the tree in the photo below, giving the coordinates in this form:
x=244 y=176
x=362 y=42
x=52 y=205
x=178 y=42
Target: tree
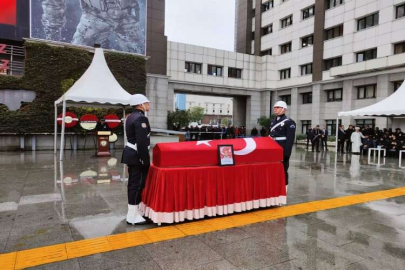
x=177 y=119
x=225 y=121
x=265 y=121
x=196 y=114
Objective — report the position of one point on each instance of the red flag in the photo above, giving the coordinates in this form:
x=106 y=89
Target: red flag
x=8 y=13
x=205 y=153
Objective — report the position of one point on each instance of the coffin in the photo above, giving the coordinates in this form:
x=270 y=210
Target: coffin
x=204 y=153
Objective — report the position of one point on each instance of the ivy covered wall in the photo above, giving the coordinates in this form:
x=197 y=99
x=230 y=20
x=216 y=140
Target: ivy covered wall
x=50 y=71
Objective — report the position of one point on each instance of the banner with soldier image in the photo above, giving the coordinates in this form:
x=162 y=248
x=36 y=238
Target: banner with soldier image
x=114 y=24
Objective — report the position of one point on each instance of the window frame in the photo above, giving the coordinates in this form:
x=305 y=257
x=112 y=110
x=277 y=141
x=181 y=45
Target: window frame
x=336 y=31
x=284 y=47
x=266 y=52
x=304 y=125
x=269 y=4
x=362 y=122
x=362 y=91
x=336 y=3
x=267 y=32
x=308 y=44
x=307 y=98
x=366 y=21
x=286 y=20
x=333 y=91
x=400 y=45
x=305 y=67
x=331 y=126
x=373 y=56
x=309 y=14
x=397 y=9
x=236 y=72
x=325 y=61
x=397 y=83
x=286 y=99
x=285 y=74
x=188 y=67
x=216 y=70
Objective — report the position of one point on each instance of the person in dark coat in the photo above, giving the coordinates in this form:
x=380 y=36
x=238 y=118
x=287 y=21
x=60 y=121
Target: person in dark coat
x=263 y=132
x=136 y=155
x=348 y=141
x=254 y=132
x=282 y=130
x=324 y=138
x=102 y=125
x=316 y=137
x=341 y=139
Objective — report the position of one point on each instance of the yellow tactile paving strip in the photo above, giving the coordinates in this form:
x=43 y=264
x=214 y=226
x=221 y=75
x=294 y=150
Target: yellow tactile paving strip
x=56 y=253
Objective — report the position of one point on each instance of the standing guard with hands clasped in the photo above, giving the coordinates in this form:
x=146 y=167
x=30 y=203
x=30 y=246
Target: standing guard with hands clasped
x=136 y=155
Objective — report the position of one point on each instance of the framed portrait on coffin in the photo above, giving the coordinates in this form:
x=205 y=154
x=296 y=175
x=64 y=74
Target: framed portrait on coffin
x=226 y=155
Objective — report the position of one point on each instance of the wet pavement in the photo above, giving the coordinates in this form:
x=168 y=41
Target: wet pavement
x=37 y=210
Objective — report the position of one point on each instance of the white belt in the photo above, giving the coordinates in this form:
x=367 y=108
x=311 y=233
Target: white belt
x=280 y=138
x=134 y=146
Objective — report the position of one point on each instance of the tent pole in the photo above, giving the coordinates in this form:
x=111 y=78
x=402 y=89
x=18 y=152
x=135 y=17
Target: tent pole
x=125 y=132
x=337 y=134
x=62 y=140
x=55 y=130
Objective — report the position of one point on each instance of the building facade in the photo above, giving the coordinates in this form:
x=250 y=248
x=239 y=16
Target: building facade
x=325 y=56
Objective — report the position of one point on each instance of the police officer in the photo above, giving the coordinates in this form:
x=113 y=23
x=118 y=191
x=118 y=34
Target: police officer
x=136 y=155
x=282 y=130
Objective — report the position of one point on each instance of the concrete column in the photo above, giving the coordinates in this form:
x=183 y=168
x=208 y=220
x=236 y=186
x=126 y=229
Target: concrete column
x=239 y=111
x=252 y=110
x=293 y=108
x=317 y=104
x=349 y=96
x=157 y=91
x=383 y=91
x=265 y=103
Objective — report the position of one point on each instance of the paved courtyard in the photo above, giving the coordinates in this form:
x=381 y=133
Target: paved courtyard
x=37 y=210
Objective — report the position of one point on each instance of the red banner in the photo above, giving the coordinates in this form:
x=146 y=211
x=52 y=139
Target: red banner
x=204 y=153
x=8 y=12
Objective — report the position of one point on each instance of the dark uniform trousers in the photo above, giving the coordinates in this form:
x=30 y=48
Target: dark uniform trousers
x=282 y=130
x=138 y=129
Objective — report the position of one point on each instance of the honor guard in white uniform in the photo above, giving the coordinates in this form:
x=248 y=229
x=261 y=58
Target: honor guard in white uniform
x=282 y=130
x=136 y=155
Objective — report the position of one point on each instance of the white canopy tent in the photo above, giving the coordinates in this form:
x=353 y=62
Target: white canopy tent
x=392 y=106
x=96 y=88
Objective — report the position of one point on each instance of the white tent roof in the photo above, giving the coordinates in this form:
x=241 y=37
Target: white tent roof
x=96 y=86
x=391 y=106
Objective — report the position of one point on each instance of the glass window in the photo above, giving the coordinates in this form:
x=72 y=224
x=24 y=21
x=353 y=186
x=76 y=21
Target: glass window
x=399 y=48
x=307 y=41
x=305 y=124
x=192 y=68
x=285 y=74
x=334 y=62
x=365 y=122
x=266 y=52
x=400 y=11
x=285 y=48
x=397 y=85
x=267 y=30
x=268 y=5
x=306 y=69
x=307 y=98
x=308 y=12
x=286 y=99
x=331 y=126
x=334 y=32
x=286 y=21
x=333 y=3
x=366 y=91
x=366 y=55
x=215 y=70
x=234 y=73
x=334 y=95
x=368 y=21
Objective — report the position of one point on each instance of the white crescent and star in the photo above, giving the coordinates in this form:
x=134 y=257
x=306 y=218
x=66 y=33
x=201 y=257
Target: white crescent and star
x=250 y=146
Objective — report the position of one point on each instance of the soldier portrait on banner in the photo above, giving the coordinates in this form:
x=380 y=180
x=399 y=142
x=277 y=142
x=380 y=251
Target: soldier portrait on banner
x=114 y=24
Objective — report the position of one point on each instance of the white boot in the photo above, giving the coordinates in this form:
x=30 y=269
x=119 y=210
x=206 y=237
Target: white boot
x=134 y=216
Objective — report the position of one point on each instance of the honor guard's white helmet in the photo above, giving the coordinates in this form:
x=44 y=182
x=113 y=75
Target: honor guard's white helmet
x=281 y=104
x=138 y=99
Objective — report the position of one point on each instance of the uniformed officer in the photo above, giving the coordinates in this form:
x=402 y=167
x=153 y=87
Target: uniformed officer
x=282 y=130
x=136 y=155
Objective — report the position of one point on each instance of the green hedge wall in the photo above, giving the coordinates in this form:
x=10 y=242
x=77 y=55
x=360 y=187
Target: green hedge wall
x=50 y=71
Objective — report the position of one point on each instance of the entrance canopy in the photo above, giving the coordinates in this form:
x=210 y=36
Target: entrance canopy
x=96 y=88
x=391 y=106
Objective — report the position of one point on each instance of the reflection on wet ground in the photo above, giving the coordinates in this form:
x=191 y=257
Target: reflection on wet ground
x=85 y=197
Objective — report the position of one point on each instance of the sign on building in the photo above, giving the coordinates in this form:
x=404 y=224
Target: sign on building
x=114 y=24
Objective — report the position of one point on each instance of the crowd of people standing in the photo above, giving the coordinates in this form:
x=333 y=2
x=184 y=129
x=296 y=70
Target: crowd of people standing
x=317 y=136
